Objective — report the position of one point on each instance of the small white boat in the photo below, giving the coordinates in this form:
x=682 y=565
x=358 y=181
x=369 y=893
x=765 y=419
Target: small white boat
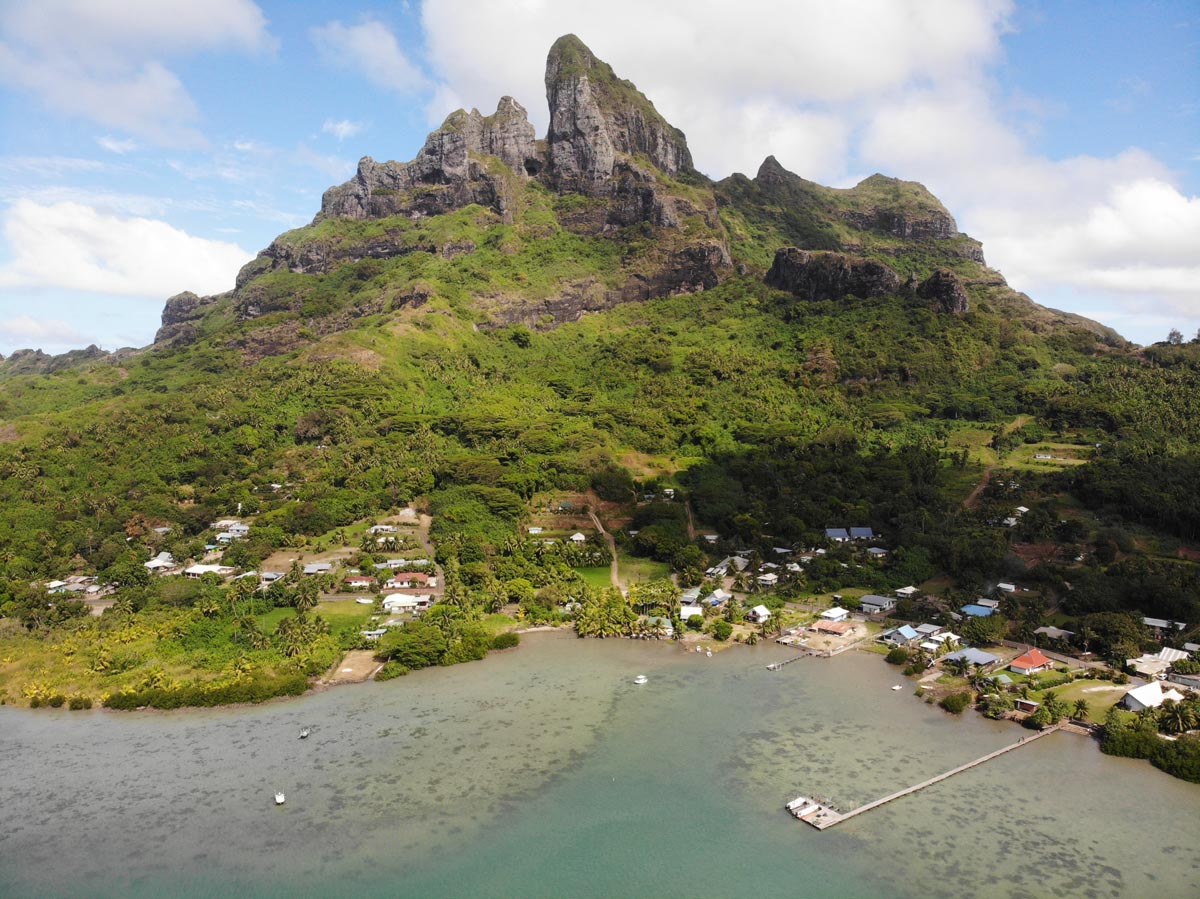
x=708 y=653
x=898 y=687
x=640 y=679
x=279 y=798
x=304 y=734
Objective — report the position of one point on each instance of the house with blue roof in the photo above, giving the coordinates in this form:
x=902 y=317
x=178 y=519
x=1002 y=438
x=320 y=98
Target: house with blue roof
x=837 y=535
x=976 y=610
x=900 y=636
x=862 y=534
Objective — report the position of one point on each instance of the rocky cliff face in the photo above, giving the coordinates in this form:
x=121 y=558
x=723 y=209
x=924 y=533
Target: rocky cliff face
x=830 y=276
x=944 y=289
x=448 y=173
x=596 y=118
x=181 y=317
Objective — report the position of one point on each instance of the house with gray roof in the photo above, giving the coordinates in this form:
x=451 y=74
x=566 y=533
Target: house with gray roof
x=872 y=604
x=972 y=655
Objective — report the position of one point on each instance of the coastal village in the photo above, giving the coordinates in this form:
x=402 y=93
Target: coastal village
x=954 y=649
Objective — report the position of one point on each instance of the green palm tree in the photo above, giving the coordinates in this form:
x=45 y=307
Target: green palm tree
x=1177 y=717
x=1081 y=709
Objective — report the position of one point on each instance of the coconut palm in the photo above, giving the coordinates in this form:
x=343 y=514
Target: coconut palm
x=1081 y=709
x=1177 y=717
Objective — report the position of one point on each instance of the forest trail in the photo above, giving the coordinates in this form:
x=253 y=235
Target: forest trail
x=615 y=572
x=972 y=499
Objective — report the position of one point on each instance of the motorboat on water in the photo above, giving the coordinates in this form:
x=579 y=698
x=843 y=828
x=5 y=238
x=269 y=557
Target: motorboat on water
x=898 y=687
x=640 y=679
x=304 y=734
x=279 y=798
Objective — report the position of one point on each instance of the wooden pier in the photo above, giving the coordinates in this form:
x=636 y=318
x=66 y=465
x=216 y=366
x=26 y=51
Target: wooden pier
x=827 y=816
x=775 y=666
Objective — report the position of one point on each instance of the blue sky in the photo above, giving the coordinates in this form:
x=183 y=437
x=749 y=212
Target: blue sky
x=157 y=145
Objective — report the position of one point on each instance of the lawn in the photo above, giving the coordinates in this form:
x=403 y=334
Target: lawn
x=598 y=576
x=342 y=614
x=1099 y=701
x=635 y=569
x=498 y=623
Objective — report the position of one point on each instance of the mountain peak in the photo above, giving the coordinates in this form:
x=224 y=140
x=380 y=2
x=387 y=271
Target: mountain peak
x=596 y=118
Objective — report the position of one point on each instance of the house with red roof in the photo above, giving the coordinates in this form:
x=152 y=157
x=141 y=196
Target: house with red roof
x=1031 y=662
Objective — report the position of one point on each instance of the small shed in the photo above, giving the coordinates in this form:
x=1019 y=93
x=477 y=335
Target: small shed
x=835 y=614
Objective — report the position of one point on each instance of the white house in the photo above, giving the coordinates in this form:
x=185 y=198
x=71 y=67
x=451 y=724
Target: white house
x=835 y=614
x=872 y=604
x=1155 y=664
x=535 y=530
x=1149 y=696
x=686 y=612
x=907 y=592
x=405 y=602
x=1006 y=588
x=759 y=614
x=768 y=580
x=197 y=571
x=578 y=538
x=318 y=568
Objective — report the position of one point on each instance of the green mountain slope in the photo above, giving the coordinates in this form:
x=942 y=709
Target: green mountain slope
x=507 y=319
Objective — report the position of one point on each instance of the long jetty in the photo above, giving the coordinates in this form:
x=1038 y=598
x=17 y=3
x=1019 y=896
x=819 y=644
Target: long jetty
x=827 y=816
x=775 y=666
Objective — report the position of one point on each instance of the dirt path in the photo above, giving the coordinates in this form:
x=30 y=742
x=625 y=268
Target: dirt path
x=614 y=572
x=691 y=527
x=971 y=500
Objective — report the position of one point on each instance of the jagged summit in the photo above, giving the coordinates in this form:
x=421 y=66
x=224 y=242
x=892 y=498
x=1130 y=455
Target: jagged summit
x=617 y=177
x=595 y=117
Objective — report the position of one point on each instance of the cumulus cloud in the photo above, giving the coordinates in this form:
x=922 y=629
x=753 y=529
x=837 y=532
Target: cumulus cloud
x=341 y=129
x=704 y=64
x=838 y=90
x=106 y=63
x=371 y=50
x=73 y=246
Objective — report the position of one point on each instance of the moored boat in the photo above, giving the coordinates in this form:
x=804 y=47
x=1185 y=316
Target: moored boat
x=279 y=798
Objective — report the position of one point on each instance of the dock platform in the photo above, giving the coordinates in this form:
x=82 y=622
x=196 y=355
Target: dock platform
x=826 y=815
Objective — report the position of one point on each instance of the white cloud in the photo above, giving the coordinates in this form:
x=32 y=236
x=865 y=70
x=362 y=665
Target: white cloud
x=24 y=329
x=102 y=61
x=341 y=129
x=115 y=145
x=703 y=63
x=73 y=246
x=834 y=89
x=371 y=50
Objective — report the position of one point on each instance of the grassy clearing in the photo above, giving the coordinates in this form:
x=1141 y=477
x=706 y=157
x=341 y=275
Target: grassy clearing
x=1099 y=701
x=598 y=576
x=498 y=623
x=635 y=569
